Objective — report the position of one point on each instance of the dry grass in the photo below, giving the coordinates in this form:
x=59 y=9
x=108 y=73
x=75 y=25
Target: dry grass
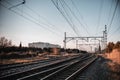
x=114 y=67
x=31 y=59
x=22 y=60
x=114 y=56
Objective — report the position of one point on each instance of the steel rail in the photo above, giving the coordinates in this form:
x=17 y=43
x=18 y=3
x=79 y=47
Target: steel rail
x=9 y=66
x=75 y=74
x=40 y=75
x=35 y=69
x=59 y=72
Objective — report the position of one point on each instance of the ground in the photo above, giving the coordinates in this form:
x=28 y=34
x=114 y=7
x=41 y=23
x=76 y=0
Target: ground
x=104 y=68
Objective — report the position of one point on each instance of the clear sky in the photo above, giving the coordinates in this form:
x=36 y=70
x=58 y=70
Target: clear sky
x=40 y=21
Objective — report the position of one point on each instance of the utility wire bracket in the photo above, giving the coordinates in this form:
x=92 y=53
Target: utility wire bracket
x=18 y=4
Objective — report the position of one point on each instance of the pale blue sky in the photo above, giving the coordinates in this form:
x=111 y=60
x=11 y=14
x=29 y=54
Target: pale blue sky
x=93 y=13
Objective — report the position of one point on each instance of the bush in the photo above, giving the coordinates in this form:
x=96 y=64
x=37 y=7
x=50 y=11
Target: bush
x=112 y=46
x=117 y=45
x=15 y=56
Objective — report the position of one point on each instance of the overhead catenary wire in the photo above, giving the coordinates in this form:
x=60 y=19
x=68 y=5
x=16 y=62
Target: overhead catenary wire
x=111 y=5
x=113 y=16
x=31 y=20
x=81 y=18
x=51 y=26
x=99 y=16
x=116 y=30
x=70 y=19
x=63 y=14
x=21 y=15
x=47 y=24
x=64 y=9
x=43 y=18
x=70 y=11
x=75 y=17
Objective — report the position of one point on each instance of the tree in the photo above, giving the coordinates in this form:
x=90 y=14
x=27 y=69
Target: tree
x=5 y=42
x=117 y=45
x=20 y=45
x=110 y=47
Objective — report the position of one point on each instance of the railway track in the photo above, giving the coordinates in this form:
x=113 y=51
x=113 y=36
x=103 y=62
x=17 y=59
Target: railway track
x=33 y=70
x=17 y=68
x=70 y=72
x=50 y=74
x=10 y=66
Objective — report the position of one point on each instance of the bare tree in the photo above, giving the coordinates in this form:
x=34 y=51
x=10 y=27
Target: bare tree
x=117 y=45
x=5 y=42
x=110 y=47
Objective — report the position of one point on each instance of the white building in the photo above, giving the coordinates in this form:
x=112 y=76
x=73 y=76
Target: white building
x=43 y=45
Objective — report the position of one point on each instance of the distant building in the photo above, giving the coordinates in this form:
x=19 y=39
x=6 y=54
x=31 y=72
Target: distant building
x=43 y=45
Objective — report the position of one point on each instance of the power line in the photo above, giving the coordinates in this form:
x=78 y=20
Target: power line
x=65 y=13
x=118 y=29
x=81 y=17
x=113 y=15
x=27 y=18
x=47 y=22
x=49 y=25
x=109 y=12
x=75 y=16
x=99 y=17
x=70 y=12
x=64 y=16
x=70 y=19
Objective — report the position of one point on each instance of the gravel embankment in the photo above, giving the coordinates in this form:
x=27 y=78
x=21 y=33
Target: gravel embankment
x=99 y=70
